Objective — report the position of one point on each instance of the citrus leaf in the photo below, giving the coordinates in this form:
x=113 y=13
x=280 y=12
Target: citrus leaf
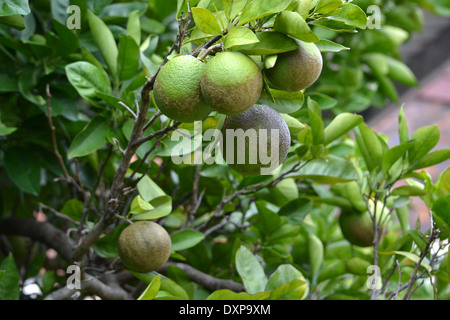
x=432 y=159
x=330 y=46
x=104 y=40
x=17 y=22
x=370 y=146
x=411 y=256
x=9 y=282
x=23 y=168
x=161 y=207
x=352 y=15
x=73 y=208
x=426 y=139
x=148 y=189
x=239 y=36
x=408 y=191
x=14 y=7
x=315 y=252
x=327 y=6
x=257 y=9
x=340 y=125
x=295 y=290
x=293 y=24
x=269 y=43
x=250 y=271
x=284 y=101
x=206 y=21
x=90 y=139
x=128 y=58
x=225 y=294
x=393 y=155
x=134 y=26
x=152 y=289
x=4 y=130
x=186 y=239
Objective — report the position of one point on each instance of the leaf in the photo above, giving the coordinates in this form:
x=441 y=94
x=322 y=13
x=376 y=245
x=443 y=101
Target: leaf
x=87 y=79
x=90 y=139
x=17 y=22
x=357 y=266
x=293 y=124
x=104 y=40
x=285 y=102
x=134 y=27
x=316 y=122
x=152 y=289
x=107 y=245
x=148 y=189
x=432 y=159
x=327 y=6
x=24 y=169
x=295 y=290
x=206 y=21
x=393 y=155
x=258 y=9
x=340 y=125
x=14 y=7
x=296 y=210
x=128 y=58
x=400 y=72
x=370 y=146
x=325 y=102
x=351 y=15
x=225 y=294
x=328 y=170
x=123 y=10
x=411 y=256
x=330 y=46
x=293 y=24
x=284 y=274
x=403 y=132
x=426 y=138
x=270 y=43
x=186 y=239
x=315 y=253
x=73 y=208
x=4 y=130
x=408 y=191
x=250 y=271
x=158 y=207
x=239 y=36
x=9 y=282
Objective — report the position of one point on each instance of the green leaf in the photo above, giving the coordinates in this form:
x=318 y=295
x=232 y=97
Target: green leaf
x=269 y=43
x=14 y=7
x=17 y=22
x=250 y=271
x=351 y=15
x=152 y=289
x=158 y=207
x=104 y=39
x=206 y=21
x=88 y=79
x=295 y=290
x=9 y=84
x=296 y=210
x=304 y=6
x=316 y=122
x=357 y=266
x=106 y=246
x=411 y=256
x=134 y=27
x=128 y=58
x=90 y=139
x=441 y=208
x=293 y=24
x=315 y=253
x=239 y=36
x=403 y=132
x=328 y=170
x=186 y=239
x=330 y=46
x=4 y=130
x=148 y=189
x=327 y=6
x=408 y=191
x=73 y=208
x=9 y=282
x=24 y=169
x=370 y=146
x=257 y=9
x=285 y=102
x=116 y=11
x=293 y=124
x=325 y=102
x=68 y=40
x=393 y=155
x=284 y=274
x=400 y=72
x=340 y=125
x=443 y=182
x=432 y=159
x=426 y=138
x=225 y=294
x=351 y=191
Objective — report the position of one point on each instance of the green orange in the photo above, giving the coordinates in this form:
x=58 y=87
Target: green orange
x=232 y=82
x=177 y=90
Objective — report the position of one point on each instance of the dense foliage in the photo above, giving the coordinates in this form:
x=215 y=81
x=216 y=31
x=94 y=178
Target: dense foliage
x=83 y=147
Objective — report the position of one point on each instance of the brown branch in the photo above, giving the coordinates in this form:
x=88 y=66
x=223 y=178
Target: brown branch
x=207 y=281
x=43 y=232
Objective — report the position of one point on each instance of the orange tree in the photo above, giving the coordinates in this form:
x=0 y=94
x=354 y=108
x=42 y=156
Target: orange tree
x=85 y=152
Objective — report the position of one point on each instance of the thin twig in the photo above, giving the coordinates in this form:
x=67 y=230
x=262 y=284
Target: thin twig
x=128 y=109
